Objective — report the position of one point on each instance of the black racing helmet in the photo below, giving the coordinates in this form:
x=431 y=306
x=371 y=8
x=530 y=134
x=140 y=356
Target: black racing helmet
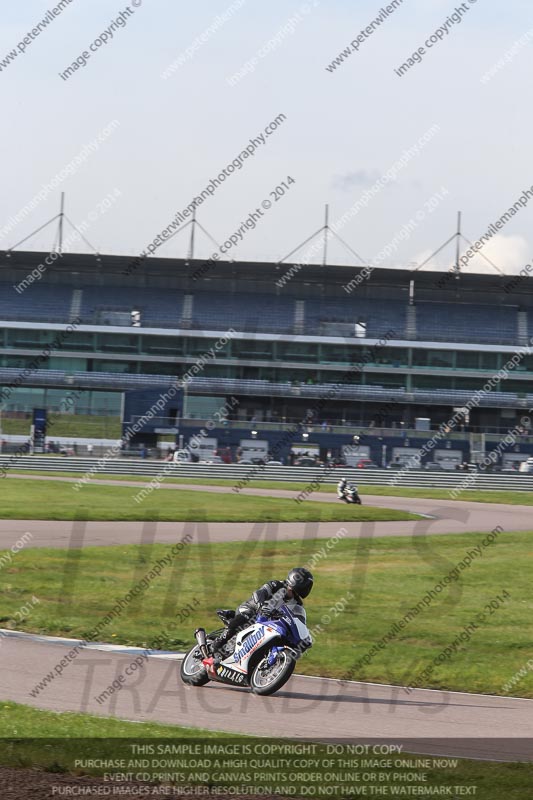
x=300 y=580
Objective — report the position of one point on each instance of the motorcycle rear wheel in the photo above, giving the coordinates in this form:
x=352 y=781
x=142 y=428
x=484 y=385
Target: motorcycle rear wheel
x=267 y=680
x=192 y=670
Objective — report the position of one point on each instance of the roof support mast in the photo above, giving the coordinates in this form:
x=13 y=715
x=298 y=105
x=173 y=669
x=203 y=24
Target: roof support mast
x=326 y=234
x=456 y=268
x=60 y=217
x=191 y=241
x=458 y=245
x=60 y=228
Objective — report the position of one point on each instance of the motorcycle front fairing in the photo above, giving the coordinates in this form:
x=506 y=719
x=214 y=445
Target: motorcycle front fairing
x=236 y=668
x=291 y=629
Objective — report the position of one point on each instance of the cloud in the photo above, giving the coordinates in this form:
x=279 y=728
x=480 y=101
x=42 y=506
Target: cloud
x=509 y=253
x=361 y=177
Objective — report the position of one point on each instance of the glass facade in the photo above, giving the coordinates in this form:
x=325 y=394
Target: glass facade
x=281 y=360
x=24 y=399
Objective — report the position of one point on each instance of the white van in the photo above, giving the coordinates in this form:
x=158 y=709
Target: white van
x=182 y=457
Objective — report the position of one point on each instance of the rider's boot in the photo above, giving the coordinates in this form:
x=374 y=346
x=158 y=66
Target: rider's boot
x=217 y=645
x=238 y=622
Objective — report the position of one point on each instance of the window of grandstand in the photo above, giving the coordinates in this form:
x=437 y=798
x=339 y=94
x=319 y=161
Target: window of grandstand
x=114 y=366
x=297 y=351
x=162 y=345
x=117 y=342
x=433 y=358
x=104 y=317
x=252 y=349
x=468 y=359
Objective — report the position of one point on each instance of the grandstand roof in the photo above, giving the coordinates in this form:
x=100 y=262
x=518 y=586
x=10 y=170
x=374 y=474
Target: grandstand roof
x=308 y=279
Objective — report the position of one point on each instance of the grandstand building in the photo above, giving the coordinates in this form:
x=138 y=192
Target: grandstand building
x=398 y=347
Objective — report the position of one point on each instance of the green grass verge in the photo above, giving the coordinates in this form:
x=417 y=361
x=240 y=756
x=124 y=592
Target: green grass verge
x=28 y=499
x=75 y=425
x=50 y=742
x=362 y=587
x=478 y=496
x=470 y=495
x=25 y=722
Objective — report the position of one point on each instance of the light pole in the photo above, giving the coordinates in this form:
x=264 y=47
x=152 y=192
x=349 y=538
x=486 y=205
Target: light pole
x=184 y=401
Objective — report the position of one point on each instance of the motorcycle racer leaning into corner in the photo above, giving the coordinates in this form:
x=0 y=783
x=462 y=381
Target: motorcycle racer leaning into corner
x=342 y=485
x=265 y=601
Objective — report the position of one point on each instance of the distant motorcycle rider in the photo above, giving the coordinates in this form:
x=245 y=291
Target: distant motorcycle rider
x=265 y=600
x=342 y=486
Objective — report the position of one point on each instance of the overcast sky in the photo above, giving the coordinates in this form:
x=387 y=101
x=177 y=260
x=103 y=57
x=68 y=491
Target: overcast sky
x=179 y=126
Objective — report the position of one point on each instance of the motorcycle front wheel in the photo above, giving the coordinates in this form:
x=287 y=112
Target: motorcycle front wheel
x=192 y=670
x=267 y=679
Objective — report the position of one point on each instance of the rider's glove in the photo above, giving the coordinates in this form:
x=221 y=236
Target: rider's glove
x=269 y=610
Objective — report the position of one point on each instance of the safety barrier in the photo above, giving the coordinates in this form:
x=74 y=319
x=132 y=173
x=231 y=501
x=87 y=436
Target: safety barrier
x=378 y=477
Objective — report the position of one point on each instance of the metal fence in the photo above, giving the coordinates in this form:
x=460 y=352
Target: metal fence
x=304 y=475
x=217 y=386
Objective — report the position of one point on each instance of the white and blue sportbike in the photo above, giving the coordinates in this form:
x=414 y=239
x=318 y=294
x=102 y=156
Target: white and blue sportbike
x=262 y=656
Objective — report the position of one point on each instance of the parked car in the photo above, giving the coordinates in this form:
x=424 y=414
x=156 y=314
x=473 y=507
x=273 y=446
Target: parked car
x=366 y=463
x=526 y=466
x=182 y=457
x=448 y=463
x=307 y=462
x=471 y=467
x=212 y=460
x=274 y=464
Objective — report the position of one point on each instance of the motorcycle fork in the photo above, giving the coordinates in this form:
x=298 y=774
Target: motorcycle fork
x=273 y=654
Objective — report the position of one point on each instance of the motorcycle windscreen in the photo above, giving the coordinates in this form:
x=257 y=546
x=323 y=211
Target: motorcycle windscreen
x=303 y=630
x=290 y=626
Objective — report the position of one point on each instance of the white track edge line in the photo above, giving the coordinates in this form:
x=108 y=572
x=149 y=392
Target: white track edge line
x=103 y=647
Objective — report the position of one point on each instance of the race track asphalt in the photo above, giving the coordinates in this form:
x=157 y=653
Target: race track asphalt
x=431 y=722
x=438 y=517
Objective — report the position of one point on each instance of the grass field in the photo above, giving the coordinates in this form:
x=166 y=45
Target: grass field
x=75 y=425
x=112 y=739
x=28 y=499
x=19 y=721
x=473 y=495
x=362 y=587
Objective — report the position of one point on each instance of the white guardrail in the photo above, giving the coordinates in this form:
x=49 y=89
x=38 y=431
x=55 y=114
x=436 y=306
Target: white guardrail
x=304 y=475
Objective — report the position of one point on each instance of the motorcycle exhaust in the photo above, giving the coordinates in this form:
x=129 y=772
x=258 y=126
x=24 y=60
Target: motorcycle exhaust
x=199 y=635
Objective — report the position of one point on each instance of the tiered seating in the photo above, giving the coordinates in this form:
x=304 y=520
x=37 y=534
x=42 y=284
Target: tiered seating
x=245 y=311
x=380 y=316
x=264 y=312
x=38 y=302
x=466 y=323
x=159 y=308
